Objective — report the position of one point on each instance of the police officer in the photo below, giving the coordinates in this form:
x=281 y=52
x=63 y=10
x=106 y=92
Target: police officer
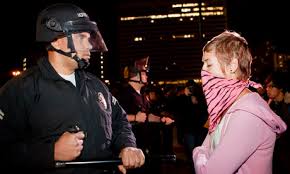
x=138 y=109
x=132 y=98
x=56 y=111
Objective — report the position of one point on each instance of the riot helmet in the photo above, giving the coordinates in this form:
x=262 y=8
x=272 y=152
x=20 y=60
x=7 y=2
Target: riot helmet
x=137 y=68
x=68 y=20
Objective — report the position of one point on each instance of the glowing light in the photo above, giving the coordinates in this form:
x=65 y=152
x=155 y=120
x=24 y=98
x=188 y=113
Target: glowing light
x=137 y=39
x=184 y=10
x=16 y=73
x=193 y=10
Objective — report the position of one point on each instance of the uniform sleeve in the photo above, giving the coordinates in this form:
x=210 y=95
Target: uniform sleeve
x=122 y=130
x=243 y=135
x=16 y=146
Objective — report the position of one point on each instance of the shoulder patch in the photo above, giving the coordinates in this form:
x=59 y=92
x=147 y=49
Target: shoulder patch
x=102 y=100
x=114 y=100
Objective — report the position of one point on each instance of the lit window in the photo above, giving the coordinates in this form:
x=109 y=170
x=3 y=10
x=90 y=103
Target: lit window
x=184 y=36
x=176 y=5
x=175 y=15
x=188 y=5
x=137 y=39
x=184 y=10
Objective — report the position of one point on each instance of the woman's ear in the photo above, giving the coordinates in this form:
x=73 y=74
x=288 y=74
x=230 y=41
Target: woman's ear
x=234 y=65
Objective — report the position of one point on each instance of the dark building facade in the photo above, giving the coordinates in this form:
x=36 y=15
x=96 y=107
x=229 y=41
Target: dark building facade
x=171 y=34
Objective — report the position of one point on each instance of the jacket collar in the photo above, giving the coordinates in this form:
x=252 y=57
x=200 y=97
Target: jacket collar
x=49 y=72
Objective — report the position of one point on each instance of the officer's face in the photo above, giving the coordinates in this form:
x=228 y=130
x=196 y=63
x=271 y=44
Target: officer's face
x=144 y=77
x=82 y=45
x=81 y=42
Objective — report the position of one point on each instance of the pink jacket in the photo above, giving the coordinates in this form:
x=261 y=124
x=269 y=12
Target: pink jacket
x=246 y=143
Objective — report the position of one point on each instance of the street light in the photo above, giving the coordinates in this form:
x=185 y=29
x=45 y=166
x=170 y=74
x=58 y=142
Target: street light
x=16 y=73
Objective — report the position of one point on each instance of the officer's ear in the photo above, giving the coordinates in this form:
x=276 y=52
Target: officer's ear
x=55 y=44
x=60 y=43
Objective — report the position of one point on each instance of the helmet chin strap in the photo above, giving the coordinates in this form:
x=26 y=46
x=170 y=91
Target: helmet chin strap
x=82 y=64
x=138 y=81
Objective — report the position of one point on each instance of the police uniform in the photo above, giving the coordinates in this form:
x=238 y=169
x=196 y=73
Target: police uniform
x=133 y=102
x=39 y=106
x=147 y=134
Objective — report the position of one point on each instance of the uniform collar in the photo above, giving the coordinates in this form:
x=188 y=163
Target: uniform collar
x=49 y=72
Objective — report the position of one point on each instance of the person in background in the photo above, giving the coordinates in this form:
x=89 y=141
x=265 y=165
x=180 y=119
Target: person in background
x=58 y=112
x=146 y=125
x=242 y=127
x=191 y=114
x=158 y=106
x=276 y=88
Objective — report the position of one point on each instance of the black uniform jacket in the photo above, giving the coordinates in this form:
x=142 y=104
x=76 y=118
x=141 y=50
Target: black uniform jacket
x=37 y=107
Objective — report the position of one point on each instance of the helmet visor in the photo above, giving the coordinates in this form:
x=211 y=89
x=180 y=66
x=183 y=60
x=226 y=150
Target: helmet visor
x=86 y=36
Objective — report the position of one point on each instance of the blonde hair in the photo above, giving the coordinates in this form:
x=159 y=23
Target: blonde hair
x=229 y=45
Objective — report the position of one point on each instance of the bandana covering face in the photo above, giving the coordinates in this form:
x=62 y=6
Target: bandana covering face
x=220 y=93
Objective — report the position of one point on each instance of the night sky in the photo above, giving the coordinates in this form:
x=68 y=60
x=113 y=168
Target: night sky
x=260 y=21
x=257 y=22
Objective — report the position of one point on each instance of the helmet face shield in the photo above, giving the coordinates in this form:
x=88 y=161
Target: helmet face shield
x=142 y=64
x=92 y=42
x=86 y=36
x=98 y=43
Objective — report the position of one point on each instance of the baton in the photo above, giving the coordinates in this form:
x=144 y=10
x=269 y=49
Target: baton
x=61 y=164
x=112 y=162
x=162 y=158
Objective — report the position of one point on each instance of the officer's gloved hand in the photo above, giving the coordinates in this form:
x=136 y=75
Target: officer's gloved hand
x=131 y=158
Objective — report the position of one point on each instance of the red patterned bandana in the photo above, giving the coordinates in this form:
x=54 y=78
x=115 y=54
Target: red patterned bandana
x=220 y=93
